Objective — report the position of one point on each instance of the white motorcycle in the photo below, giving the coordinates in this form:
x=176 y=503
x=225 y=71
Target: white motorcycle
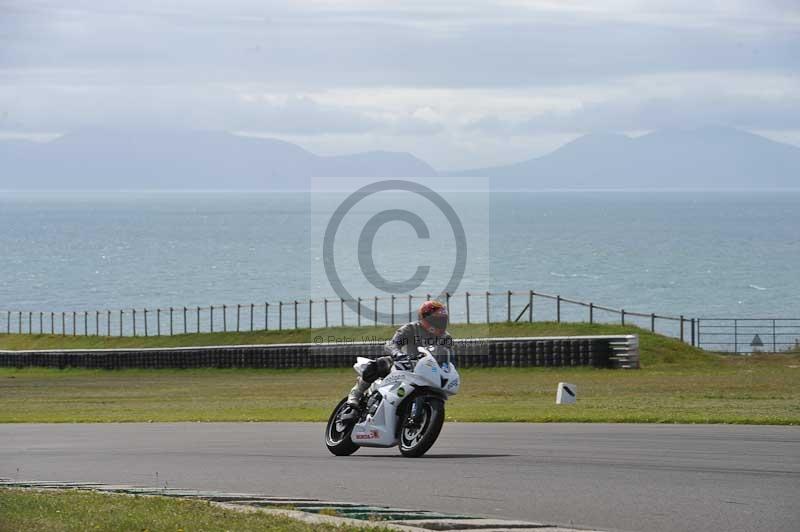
x=405 y=408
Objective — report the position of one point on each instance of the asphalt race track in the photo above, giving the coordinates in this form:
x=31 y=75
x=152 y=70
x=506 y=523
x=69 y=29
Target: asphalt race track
x=624 y=477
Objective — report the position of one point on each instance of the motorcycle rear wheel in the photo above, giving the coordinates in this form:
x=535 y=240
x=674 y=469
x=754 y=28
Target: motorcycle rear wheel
x=337 y=433
x=417 y=438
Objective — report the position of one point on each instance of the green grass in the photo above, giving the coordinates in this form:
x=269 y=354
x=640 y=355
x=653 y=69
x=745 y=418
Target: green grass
x=763 y=389
x=71 y=510
x=677 y=383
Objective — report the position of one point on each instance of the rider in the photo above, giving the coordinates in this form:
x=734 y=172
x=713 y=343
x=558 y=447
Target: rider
x=401 y=351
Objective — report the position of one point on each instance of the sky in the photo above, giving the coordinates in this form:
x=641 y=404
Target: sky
x=459 y=84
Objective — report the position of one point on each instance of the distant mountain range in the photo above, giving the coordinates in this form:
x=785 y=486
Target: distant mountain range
x=158 y=159
x=710 y=157
x=153 y=159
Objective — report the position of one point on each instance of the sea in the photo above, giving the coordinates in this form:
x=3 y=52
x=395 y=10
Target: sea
x=701 y=254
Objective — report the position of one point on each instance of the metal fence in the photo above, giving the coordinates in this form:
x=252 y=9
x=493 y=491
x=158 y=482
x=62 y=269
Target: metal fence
x=749 y=335
x=467 y=307
x=736 y=335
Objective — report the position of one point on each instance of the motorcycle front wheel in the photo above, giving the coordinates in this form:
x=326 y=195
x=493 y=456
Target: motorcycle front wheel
x=337 y=432
x=419 y=435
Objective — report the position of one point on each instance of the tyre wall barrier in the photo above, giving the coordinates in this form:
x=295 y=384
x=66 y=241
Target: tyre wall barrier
x=595 y=351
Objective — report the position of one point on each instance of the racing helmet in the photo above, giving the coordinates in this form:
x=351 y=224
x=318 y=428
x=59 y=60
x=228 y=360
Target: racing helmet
x=432 y=316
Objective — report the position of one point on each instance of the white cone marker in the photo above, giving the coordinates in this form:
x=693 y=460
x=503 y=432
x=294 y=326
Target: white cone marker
x=567 y=394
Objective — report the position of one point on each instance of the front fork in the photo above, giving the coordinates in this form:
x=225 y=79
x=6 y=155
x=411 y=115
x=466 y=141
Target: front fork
x=416 y=410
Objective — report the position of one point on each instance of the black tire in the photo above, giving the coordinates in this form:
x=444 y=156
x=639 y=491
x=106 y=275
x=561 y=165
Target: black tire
x=338 y=441
x=424 y=436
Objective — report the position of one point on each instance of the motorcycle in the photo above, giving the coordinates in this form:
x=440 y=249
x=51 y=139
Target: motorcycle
x=405 y=408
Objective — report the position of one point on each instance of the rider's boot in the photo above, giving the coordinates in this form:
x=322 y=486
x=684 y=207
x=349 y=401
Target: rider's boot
x=357 y=392
x=354 y=399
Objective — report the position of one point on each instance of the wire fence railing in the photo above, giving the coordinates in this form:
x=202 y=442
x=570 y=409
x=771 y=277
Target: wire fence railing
x=466 y=307
x=749 y=335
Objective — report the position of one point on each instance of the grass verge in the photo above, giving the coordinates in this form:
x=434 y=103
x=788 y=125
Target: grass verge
x=761 y=389
x=68 y=510
x=677 y=384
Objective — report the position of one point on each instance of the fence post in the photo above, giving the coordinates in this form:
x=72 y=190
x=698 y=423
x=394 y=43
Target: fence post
x=211 y=318
x=392 y=309
x=466 y=301
x=280 y=315
x=591 y=312
x=53 y=323
x=295 y=314
x=341 y=310
x=325 y=307
x=622 y=316
x=238 y=316
x=19 y=322
x=171 y=322
x=310 y=306
x=530 y=306
x=63 y=324
x=266 y=315
x=558 y=309
x=108 y=323
x=774 y=343
x=224 y=318
x=198 y=319
x=692 y=335
x=447 y=301
x=358 y=306
x=86 y=323
x=145 y=322
x=508 y=306
x=375 y=311
x=120 y=323
x=74 y=323
x=682 y=328
x=133 y=320
x=97 y=322
x=30 y=322
x=158 y=322
x=488 y=318
x=41 y=322
x=652 y=322
x=410 y=305
x=8 y=321
x=698 y=332
x=252 y=312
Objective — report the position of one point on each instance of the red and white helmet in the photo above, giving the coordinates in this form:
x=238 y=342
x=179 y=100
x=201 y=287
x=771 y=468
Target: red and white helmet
x=432 y=316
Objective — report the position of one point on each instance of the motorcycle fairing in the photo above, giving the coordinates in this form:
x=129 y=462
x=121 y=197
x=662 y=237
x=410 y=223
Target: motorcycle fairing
x=378 y=430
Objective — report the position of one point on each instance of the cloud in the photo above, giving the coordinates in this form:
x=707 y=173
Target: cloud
x=66 y=107
x=324 y=45
x=457 y=83
x=731 y=99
